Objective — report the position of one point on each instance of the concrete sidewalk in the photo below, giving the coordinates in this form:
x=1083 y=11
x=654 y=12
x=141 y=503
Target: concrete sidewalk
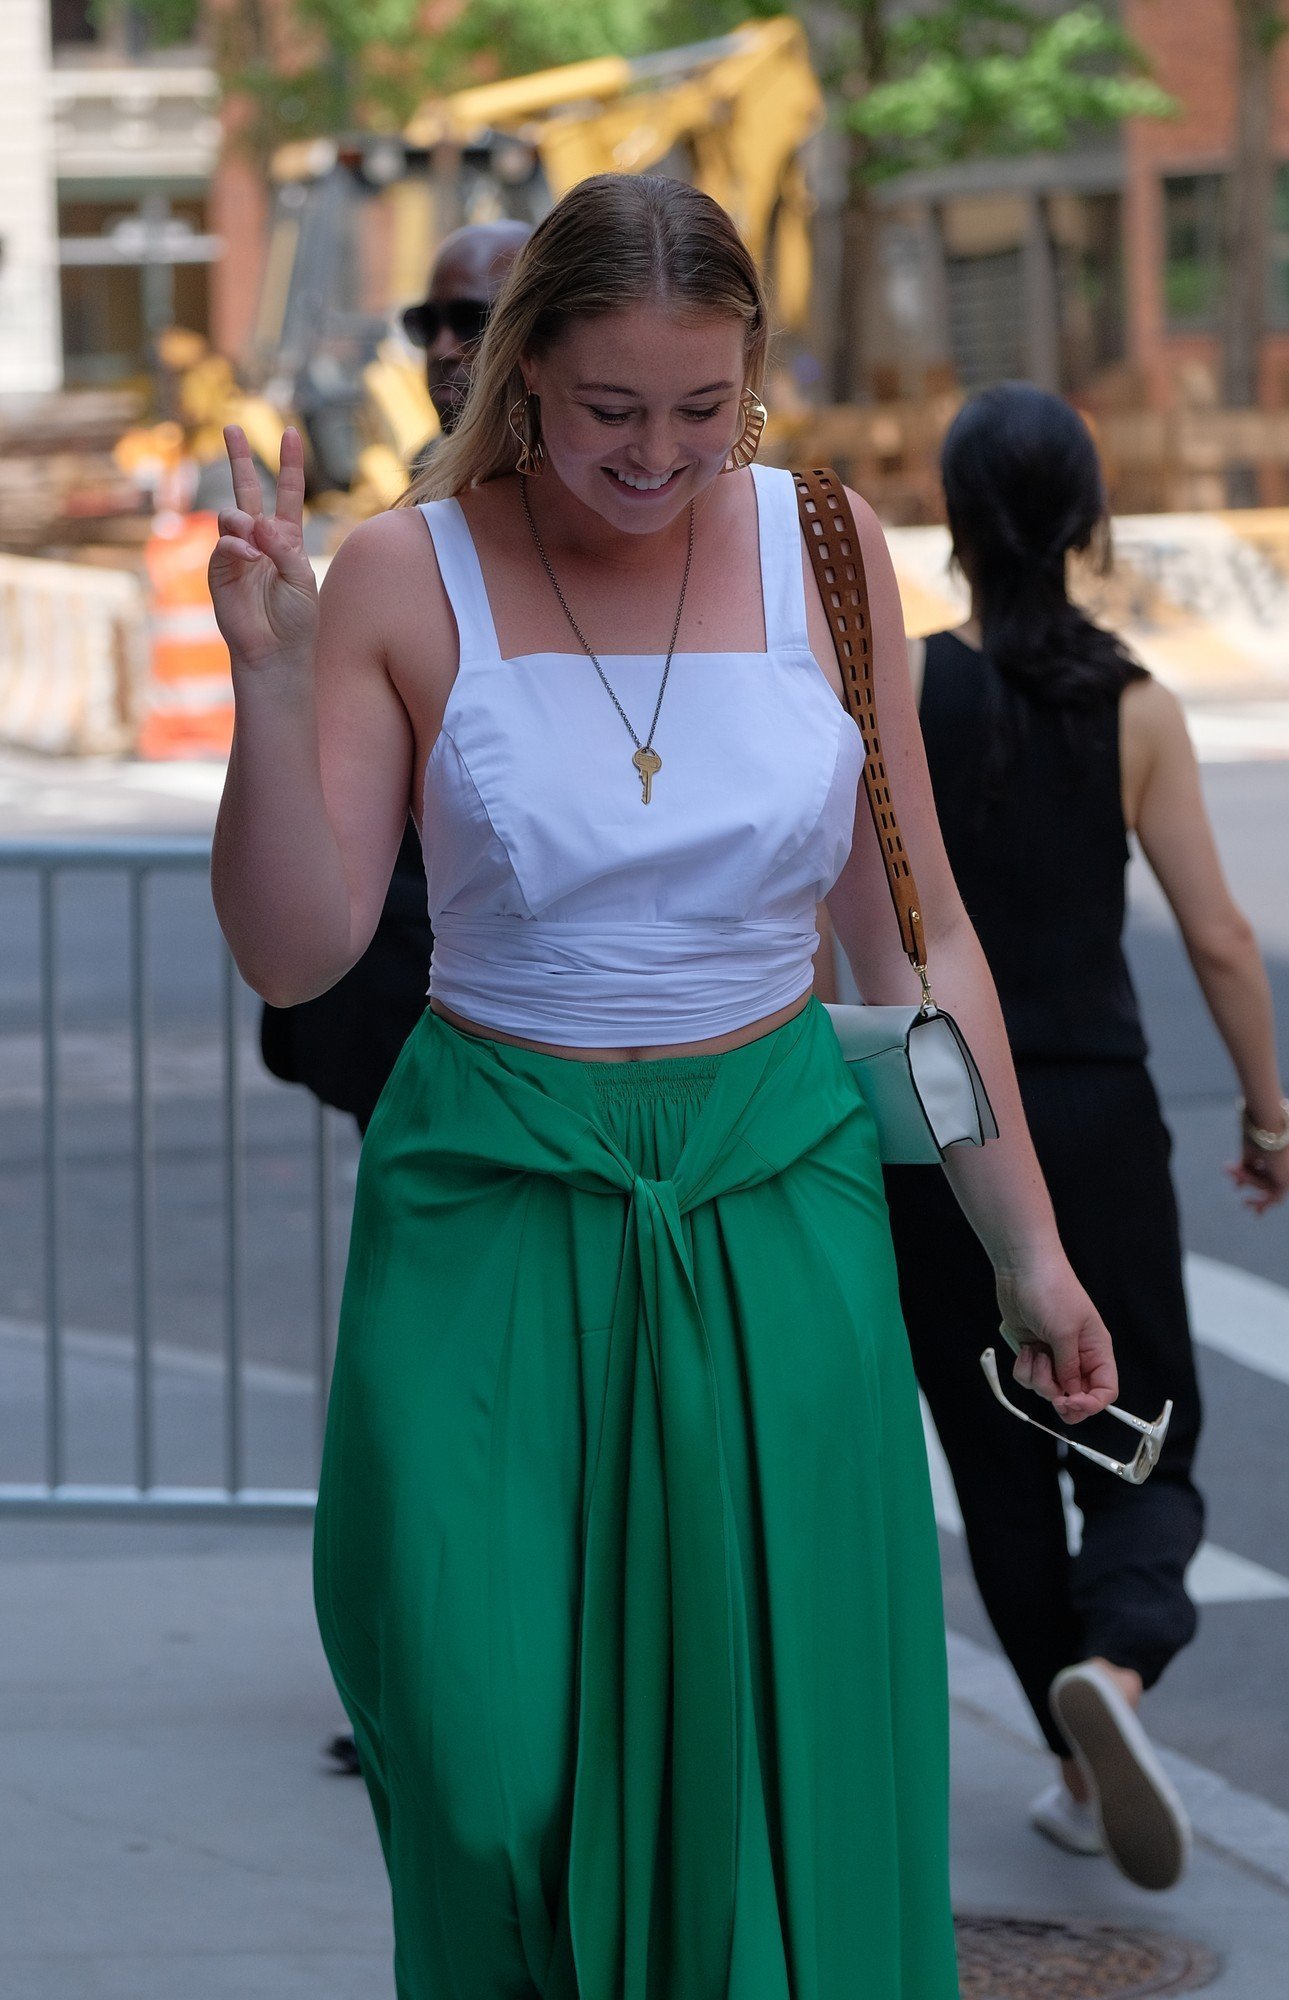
x=167 y=1829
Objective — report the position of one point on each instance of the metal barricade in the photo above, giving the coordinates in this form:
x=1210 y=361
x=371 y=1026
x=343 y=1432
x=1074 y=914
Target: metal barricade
x=119 y=1056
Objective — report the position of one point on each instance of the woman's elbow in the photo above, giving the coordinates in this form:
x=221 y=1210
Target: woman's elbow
x=278 y=992
x=288 y=961
x=270 y=984
x=1226 y=945
x=280 y=985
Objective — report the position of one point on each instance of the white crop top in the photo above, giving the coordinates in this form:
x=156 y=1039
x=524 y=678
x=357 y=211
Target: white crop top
x=567 y=911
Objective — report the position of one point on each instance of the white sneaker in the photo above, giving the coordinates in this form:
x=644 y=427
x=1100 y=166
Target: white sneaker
x=1070 y=1822
x=1143 y=1822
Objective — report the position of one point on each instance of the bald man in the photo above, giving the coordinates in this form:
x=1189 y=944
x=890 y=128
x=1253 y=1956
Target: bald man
x=464 y=281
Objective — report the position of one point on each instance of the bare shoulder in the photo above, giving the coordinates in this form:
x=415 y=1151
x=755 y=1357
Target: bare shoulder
x=885 y=610
x=871 y=532
x=1148 y=706
x=879 y=571
x=875 y=553
x=872 y=538
x=382 y=549
x=1152 y=723
x=383 y=587
x=1155 y=753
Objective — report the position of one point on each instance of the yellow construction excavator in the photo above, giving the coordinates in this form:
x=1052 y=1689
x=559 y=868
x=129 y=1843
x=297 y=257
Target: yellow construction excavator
x=356 y=223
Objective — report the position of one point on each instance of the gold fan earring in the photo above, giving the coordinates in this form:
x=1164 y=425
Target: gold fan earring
x=523 y=427
x=745 y=446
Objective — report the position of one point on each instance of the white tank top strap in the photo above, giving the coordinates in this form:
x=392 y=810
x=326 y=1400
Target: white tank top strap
x=462 y=579
x=782 y=581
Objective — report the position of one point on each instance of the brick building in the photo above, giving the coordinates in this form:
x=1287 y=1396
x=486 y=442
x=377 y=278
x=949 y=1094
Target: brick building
x=1174 y=172
x=1099 y=270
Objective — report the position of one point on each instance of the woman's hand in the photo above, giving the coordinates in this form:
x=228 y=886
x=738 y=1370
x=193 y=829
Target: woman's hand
x=261 y=582
x=1266 y=1174
x=1066 y=1355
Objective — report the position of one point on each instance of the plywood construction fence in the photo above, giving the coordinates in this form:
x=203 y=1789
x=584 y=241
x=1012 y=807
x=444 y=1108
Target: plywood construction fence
x=95 y=661
x=74 y=657
x=1202 y=599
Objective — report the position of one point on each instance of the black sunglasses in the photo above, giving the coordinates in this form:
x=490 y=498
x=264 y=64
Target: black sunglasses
x=465 y=319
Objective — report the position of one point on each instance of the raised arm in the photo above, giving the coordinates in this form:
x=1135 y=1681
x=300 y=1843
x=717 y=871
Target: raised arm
x=317 y=789
x=999 y=1186
x=1171 y=822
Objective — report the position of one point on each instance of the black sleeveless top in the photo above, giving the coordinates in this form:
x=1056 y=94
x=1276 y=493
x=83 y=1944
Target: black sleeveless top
x=1042 y=869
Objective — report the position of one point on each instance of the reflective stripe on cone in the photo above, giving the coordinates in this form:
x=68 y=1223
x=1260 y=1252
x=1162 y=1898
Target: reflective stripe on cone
x=189 y=709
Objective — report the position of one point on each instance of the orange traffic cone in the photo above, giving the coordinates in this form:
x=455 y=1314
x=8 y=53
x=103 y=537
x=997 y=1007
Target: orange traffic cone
x=189 y=708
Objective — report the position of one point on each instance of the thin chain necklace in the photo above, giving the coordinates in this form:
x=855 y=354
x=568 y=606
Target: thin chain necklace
x=646 y=759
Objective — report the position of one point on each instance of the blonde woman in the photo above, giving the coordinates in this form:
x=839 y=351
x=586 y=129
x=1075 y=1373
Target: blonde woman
x=626 y=1566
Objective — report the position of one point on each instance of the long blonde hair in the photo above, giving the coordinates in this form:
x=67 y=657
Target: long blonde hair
x=611 y=240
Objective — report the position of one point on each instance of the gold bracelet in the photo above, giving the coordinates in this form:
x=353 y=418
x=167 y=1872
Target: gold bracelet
x=1259 y=1136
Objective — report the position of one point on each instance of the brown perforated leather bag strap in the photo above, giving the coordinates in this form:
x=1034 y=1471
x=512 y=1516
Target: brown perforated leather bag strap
x=833 y=540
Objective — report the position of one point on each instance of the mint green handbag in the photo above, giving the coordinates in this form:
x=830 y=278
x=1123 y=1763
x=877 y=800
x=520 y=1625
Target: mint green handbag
x=919 y=1080
x=912 y=1063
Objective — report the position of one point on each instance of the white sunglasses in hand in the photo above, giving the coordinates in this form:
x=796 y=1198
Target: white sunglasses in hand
x=1135 y=1470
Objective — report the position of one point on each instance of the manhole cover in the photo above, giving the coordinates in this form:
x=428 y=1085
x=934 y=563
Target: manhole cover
x=1024 y=1958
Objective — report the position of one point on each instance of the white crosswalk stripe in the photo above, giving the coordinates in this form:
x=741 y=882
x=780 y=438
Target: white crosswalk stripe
x=1245 y=732
x=1239 y=1315
x=1216 y=1576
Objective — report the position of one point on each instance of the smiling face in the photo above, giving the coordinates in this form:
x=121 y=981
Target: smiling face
x=639 y=409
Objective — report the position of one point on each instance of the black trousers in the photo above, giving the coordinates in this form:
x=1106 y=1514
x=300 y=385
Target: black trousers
x=1104 y=1150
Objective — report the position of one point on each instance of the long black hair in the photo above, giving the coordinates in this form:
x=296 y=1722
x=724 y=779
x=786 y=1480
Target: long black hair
x=1023 y=489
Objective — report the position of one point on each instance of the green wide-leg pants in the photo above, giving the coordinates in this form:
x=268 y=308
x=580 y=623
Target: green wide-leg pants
x=625 y=1560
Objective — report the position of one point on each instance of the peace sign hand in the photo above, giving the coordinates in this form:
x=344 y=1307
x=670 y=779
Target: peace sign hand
x=261 y=581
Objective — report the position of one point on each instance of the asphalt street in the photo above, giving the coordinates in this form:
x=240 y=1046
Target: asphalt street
x=1224 y=1704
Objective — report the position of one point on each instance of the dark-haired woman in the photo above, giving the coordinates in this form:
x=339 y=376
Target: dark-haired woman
x=1048 y=745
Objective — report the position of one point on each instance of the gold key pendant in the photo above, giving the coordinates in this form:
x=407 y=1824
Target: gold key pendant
x=648 y=763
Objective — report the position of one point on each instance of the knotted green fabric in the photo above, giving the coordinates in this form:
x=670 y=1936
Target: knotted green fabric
x=626 y=1567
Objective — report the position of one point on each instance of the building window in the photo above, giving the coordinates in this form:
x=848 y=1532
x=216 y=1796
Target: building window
x=1193 y=250
x=118 y=30
x=129 y=270
x=987 y=317
x=1086 y=236
x=73 y=23
x=1278 y=304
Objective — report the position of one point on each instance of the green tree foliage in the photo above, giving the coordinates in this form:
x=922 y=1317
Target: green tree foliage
x=978 y=77
x=365 y=67
x=961 y=77
x=369 y=63
x=537 y=34
x=169 y=22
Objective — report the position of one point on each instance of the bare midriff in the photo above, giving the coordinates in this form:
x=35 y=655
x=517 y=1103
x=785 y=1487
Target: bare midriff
x=716 y=1045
